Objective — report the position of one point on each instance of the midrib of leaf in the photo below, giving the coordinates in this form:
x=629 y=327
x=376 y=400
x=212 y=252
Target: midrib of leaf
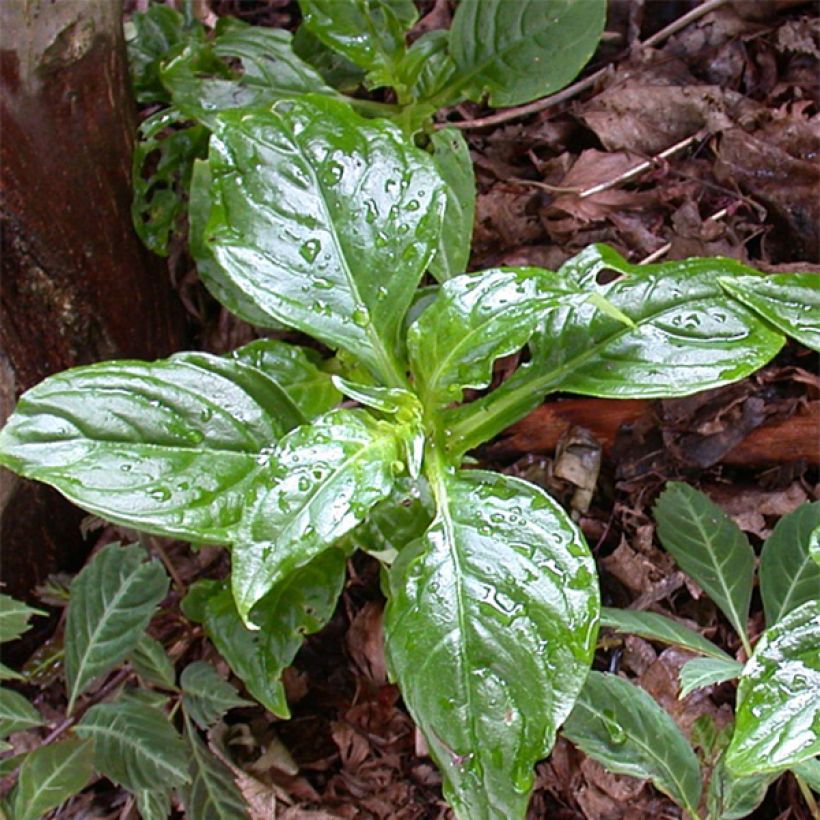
x=201 y=767
x=43 y=786
x=808 y=561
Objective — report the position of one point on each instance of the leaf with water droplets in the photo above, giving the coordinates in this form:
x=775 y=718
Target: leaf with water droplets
x=326 y=222
x=490 y=630
x=627 y=732
x=777 y=719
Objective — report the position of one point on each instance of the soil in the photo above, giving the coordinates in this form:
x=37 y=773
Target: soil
x=721 y=119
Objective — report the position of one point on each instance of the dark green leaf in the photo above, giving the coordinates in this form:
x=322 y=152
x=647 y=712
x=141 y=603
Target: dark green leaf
x=428 y=70
x=325 y=478
x=326 y=221
x=624 y=729
x=518 y=51
x=730 y=797
x=490 y=630
x=710 y=548
x=206 y=697
x=50 y=775
x=790 y=301
x=657 y=627
x=112 y=600
x=151 y=662
x=701 y=672
x=10 y=764
x=777 y=719
x=154 y=804
x=335 y=68
x=788 y=575
x=135 y=745
x=173 y=447
x=16 y=713
x=14 y=618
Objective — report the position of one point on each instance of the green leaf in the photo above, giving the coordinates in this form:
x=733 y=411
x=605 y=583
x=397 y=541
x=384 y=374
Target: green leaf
x=428 y=70
x=154 y=804
x=300 y=605
x=475 y=319
x=790 y=301
x=490 y=630
x=14 y=618
x=777 y=719
x=112 y=600
x=710 y=548
x=173 y=447
x=212 y=793
x=16 y=713
x=627 y=732
x=809 y=770
x=788 y=575
x=325 y=478
x=814 y=546
x=731 y=798
x=655 y=627
x=206 y=697
x=326 y=221
x=701 y=672
x=10 y=764
x=336 y=70
x=151 y=662
x=50 y=775
x=135 y=745
x=515 y=52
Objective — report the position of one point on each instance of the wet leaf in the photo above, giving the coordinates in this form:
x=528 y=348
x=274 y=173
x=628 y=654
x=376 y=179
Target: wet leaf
x=206 y=697
x=730 y=797
x=701 y=672
x=16 y=713
x=151 y=662
x=490 y=629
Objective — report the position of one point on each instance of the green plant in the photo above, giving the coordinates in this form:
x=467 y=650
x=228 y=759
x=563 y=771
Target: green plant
x=777 y=711
x=127 y=733
x=310 y=216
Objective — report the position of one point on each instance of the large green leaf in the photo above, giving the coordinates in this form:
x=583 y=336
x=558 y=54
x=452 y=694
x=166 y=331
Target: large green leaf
x=777 y=719
x=657 y=627
x=325 y=477
x=173 y=447
x=701 y=672
x=50 y=775
x=16 y=713
x=790 y=301
x=687 y=336
x=515 y=52
x=135 y=745
x=788 y=575
x=326 y=221
x=151 y=662
x=627 y=732
x=732 y=798
x=205 y=695
x=710 y=548
x=490 y=630
x=14 y=617
x=298 y=606
x=112 y=601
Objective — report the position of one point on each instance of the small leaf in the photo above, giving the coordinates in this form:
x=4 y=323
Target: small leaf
x=701 y=672
x=10 y=764
x=151 y=662
x=336 y=70
x=516 y=52
x=50 y=775
x=206 y=697
x=627 y=732
x=809 y=770
x=777 y=718
x=710 y=548
x=154 y=804
x=732 y=798
x=327 y=476
x=788 y=575
x=16 y=713
x=14 y=618
x=790 y=301
x=135 y=745
x=112 y=600
x=490 y=630
x=655 y=627
x=430 y=73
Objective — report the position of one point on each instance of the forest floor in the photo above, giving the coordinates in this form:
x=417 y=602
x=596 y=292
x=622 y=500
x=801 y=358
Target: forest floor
x=703 y=143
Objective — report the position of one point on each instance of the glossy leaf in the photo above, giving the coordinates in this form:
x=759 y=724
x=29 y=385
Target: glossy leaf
x=324 y=478
x=50 y=775
x=16 y=713
x=814 y=546
x=515 y=52
x=777 y=719
x=429 y=72
x=173 y=447
x=326 y=221
x=206 y=697
x=790 y=301
x=14 y=617
x=701 y=672
x=135 y=745
x=788 y=575
x=627 y=732
x=710 y=548
x=298 y=606
x=212 y=793
x=112 y=600
x=731 y=798
x=154 y=804
x=655 y=627
x=336 y=70
x=490 y=630
x=151 y=662
x=475 y=319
